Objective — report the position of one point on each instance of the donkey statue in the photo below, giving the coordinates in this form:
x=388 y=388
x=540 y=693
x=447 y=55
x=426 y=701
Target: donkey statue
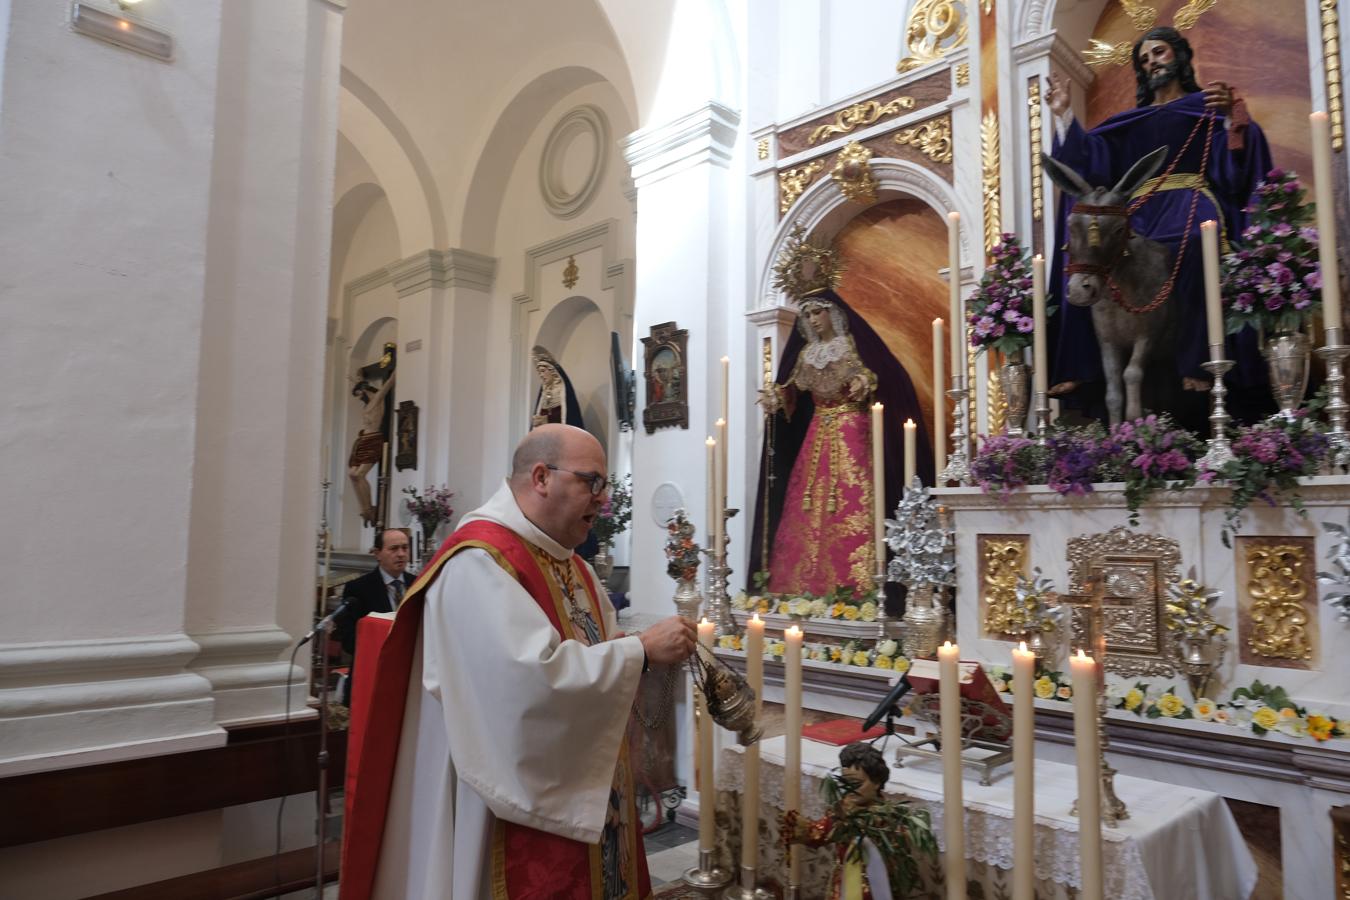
x=1120 y=275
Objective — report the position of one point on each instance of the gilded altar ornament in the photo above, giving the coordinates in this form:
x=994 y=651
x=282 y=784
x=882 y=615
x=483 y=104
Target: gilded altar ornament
x=932 y=138
x=1198 y=640
x=934 y=28
x=962 y=74
x=853 y=174
x=1038 y=617
x=859 y=115
x=1331 y=68
x=728 y=696
x=1002 y=560
x=1279 y=619
x=571 y=273
x=1142 y=17
x=996 y=403
x=989 y=179
x=924 y=559
x=762 y=148
x=1339 y=581
x=1034 y=129
x=792 y=182
x=804 y=268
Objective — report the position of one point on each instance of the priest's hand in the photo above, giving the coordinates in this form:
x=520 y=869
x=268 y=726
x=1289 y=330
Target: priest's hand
x=669 y=641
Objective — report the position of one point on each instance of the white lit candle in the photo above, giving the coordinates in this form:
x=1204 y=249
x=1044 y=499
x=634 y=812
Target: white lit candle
x=1326 y=221
x=878 y=487
x=953 y=806
x=707 y=826
x=1024 y=774
x=954 y=288
x=939 y=399
x=911 y=452
x=1039 y=369
x=754 y=676
x=712 y=489
x=1209 y=250
x=719 y=520
x=792 y=714
x=720 y=429
x=1084 y=673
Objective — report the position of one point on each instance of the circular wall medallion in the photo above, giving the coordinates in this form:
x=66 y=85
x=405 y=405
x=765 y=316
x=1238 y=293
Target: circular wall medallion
x=665 y=500
x=573 y=160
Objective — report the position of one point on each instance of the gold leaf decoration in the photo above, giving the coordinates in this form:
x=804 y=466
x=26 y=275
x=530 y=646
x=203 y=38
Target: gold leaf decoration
x=989 y=179
x=1001 y=559
x=792 y=182
x=1141 y=16
x=932 y=138
x=1103 y=53
x=1277 y=588
x=997 y=400
x=853 y=174
x=1034 y=129
x=1186 y=16
x=869 y=112
x=1331 y=67
x=935 y=27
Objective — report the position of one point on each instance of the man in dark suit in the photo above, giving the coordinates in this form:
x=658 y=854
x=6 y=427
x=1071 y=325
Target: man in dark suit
x=379 y=590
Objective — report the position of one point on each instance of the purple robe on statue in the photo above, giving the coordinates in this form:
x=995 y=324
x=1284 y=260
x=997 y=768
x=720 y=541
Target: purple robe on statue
x=1102 y=156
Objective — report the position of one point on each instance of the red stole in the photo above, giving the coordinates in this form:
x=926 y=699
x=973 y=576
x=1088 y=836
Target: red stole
x=526 y=863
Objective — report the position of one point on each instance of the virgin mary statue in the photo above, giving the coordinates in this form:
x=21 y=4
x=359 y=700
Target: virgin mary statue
x=813 y=517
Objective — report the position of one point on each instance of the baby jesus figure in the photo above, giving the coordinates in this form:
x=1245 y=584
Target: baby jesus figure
x=876 y=839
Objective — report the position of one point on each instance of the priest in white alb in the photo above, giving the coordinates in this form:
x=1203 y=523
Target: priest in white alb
x=495 y=763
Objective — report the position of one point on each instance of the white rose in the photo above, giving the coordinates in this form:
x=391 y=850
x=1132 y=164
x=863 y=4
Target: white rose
x=887 y=648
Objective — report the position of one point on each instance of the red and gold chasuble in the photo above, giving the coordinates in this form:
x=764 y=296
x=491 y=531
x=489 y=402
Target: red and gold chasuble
x=527 y=864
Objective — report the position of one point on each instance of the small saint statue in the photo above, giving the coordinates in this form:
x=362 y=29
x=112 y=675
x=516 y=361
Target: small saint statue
x=876 y=839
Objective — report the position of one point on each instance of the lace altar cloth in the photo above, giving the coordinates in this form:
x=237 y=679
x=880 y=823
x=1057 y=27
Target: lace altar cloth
x=1178 y=842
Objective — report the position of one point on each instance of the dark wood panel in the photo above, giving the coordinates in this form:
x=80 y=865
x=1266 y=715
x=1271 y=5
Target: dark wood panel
x=252 y=880
x=258 y=763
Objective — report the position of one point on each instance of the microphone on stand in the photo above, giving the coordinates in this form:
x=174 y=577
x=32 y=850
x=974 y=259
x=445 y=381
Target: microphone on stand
x=326 y=622
x=887 y=706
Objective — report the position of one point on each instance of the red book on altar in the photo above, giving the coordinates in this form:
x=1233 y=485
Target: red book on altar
x=841 y=731
x=371 y=632
x=975 y=686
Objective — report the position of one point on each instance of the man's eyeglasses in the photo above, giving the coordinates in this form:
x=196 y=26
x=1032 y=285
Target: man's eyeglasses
x=597 y=482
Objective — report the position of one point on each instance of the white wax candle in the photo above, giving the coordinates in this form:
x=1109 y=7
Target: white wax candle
x=878 y=487
x=1024 y=774
x=1209 y=249
x=720 y=429
x=954 y=287
x=754 y=675
x=792 y=714
x=953 y=805
x=1084 y=672
x=1326 y=220
x=719 y=491
x=939 y=399
x=911 y=452
x=1040 y=371
x=712 y=489
x=726 y=388
x=707 y=825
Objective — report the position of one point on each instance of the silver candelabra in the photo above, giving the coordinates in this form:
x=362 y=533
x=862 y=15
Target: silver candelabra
x=958 y=461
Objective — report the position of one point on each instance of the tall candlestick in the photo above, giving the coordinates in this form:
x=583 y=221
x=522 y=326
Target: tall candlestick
x=953 y=805
x=792 y=713
x=754 y=675
x=1039 y=369
x=954 y=289
x=720 y=429
x=911 y=452
x=1024 y=758
x=878 y=487
x=726 y=388
x=939 y=400
x=712 y=490
x=1084 y=673
x=1326 y=221
x=1209 y=249
x=707 y=826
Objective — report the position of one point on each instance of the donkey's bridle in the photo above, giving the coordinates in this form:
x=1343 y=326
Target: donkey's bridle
x=1094 y=239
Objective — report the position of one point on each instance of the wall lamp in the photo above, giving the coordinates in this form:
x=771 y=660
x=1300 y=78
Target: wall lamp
x=122 y=30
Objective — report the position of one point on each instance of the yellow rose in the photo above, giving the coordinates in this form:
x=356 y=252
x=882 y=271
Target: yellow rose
x=835 y=654
x=1064 y=693
x=1266 y=717
x=860 y=658
x=762 y=606
x=868 y=612
x=902 y=665
x=850 y=613
x=1045 y=688
x=1171 y=705
x=1204 y=709
x=1288 y=713
x=1319 y=727
x=736 y=642
x=1133 y=697
x=837 y=611
x=882 y=662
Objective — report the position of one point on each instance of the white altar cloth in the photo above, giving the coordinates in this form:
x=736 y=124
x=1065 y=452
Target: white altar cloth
x=1178 y=843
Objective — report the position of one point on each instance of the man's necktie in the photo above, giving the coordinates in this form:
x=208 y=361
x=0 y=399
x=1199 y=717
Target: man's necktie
x=397 y=587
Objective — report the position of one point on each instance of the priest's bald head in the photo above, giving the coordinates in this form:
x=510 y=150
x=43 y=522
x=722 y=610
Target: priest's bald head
x=558 y=477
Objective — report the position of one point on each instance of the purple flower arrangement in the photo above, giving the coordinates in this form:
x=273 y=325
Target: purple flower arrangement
x=432 y=508
x=1273 y=281
x=1154 y=455
x=1079 y=457
x=999 y=312
x=616 y=511
x=1005 y=463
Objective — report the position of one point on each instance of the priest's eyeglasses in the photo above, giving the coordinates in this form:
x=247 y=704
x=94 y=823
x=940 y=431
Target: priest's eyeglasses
x=597 y=482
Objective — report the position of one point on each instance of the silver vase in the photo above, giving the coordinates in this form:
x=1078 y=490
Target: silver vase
x=688 y=599
x=924 y=623
x=603 y=563
x=1016 y=386
x=1286 y=354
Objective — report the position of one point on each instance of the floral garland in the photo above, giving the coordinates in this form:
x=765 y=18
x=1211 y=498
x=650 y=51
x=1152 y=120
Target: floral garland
x=830 y=606
x=885 y=655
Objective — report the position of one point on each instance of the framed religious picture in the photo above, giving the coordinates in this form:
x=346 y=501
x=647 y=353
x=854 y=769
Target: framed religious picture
x=406 y=458
x=666 y=372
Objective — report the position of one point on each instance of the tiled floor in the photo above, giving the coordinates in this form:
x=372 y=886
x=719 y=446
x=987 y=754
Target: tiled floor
x=671 y=850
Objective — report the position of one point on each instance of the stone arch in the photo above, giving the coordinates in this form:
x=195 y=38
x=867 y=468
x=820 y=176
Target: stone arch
x=348 y=213
x=377 y=133
x=576 y=332
x=824 y=211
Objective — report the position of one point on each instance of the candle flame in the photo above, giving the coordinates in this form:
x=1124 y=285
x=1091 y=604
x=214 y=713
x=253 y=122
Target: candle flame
x=755 y=617
x=1081 y=654
x=720 y=422
x=946 y=645
x=726 y=359
x=712 y=442
x=909 y=423
x=877 y=407
x=794 y=631
x=1022 y=646
x=704 y=621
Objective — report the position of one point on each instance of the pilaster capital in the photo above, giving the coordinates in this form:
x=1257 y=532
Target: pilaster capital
x=706 y=135
x=773 y=317
x=442 y=268
x=1061 y=56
